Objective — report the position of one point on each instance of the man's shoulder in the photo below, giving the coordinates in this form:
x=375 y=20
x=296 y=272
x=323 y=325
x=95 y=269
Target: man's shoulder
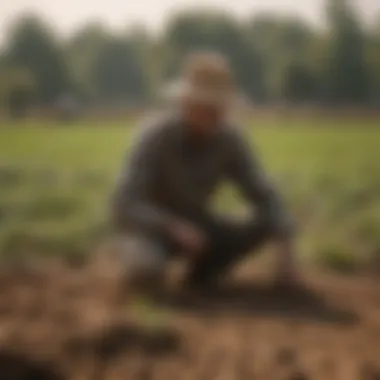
x=232 y=134
x=235 y=141
x=154 y=131
x=156 y=126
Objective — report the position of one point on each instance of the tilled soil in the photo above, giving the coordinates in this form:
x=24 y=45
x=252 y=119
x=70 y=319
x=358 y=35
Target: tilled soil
x=67 y=325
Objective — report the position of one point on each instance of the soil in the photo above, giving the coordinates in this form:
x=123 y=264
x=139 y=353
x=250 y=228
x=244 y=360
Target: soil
x=65 y=324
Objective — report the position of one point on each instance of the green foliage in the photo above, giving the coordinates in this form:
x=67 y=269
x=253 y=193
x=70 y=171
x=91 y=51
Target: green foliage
x=373 y=60
x=32 y=45
x=17 y=89
x=347 y=73
x=82 y=50
x=282 y=45
x=63 y=207
x=336 y=257
x=299 y=84
x=46 y=207
x=275 y=58
x=117 y=72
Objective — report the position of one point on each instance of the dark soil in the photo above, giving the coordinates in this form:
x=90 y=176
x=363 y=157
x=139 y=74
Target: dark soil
x=65 y=325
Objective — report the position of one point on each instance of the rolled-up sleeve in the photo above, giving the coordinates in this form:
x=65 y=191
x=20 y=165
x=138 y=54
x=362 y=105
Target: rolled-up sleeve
x=131 y=204
x=247 y=172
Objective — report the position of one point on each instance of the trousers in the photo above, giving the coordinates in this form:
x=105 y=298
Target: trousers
x=228 y=241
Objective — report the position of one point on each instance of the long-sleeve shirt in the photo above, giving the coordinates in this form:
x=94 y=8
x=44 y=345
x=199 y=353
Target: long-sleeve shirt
x=168 y=173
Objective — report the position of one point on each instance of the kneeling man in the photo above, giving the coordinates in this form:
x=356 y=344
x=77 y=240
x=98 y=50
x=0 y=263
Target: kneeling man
x=162 y=200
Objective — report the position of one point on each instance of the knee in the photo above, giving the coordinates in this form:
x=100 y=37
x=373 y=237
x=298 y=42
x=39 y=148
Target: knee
x=272 y=227
x=142 y=261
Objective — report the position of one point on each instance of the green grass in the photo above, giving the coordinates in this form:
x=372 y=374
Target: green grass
x=54 y=184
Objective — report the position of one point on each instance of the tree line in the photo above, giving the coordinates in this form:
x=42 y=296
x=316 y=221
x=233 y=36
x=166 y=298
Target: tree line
x=276 y=59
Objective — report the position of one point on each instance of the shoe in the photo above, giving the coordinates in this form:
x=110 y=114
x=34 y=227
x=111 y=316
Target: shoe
x=206 y=287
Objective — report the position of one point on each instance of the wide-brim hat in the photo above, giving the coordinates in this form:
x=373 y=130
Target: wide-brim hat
x=206 y=78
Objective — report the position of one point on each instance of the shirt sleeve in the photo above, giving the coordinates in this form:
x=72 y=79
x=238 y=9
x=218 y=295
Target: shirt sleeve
x=247 y=172
x=131 y=205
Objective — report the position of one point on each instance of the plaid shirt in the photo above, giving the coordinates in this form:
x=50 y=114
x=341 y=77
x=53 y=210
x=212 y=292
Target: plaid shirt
x=168 y=174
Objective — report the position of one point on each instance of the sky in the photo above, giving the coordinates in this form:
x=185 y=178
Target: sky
x=68 y=15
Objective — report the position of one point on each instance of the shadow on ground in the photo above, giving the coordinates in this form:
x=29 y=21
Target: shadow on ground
x=264 y=301
x=119 y=339
x=15 y=366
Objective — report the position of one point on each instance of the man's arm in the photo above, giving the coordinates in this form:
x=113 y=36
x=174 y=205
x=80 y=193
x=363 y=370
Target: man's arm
x=255 y=185
x=248 y=173
x=131 y=205
x=131 y=202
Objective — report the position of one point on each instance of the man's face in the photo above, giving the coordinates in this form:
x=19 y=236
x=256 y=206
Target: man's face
x=203 y=119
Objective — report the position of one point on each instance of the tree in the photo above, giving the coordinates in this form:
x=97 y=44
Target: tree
x=373 y=59
x=17 y=90
x=280 y=42
x=274 y=58
x=143 y=46
x=347 y=74
x=32 y=45
x=106 y=66
x=82 y=50
x=117 y=71
x=299 y=84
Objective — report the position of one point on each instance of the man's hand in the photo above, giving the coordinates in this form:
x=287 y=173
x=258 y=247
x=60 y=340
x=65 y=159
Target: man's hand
x=190 y=238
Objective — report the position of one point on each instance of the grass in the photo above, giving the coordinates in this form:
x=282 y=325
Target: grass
x=54 y=184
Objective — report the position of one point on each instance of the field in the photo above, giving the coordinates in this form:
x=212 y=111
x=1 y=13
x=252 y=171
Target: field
x=63 y=321
x=54 y=184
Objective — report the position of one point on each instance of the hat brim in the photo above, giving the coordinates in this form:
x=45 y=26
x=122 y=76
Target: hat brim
x=179 y=90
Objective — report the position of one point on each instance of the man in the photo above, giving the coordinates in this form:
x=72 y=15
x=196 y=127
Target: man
x=162 y=200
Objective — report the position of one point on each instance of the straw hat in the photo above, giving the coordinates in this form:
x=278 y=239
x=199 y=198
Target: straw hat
x=205 y=77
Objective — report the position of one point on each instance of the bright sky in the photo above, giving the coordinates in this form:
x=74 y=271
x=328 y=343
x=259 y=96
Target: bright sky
x=66 y=15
